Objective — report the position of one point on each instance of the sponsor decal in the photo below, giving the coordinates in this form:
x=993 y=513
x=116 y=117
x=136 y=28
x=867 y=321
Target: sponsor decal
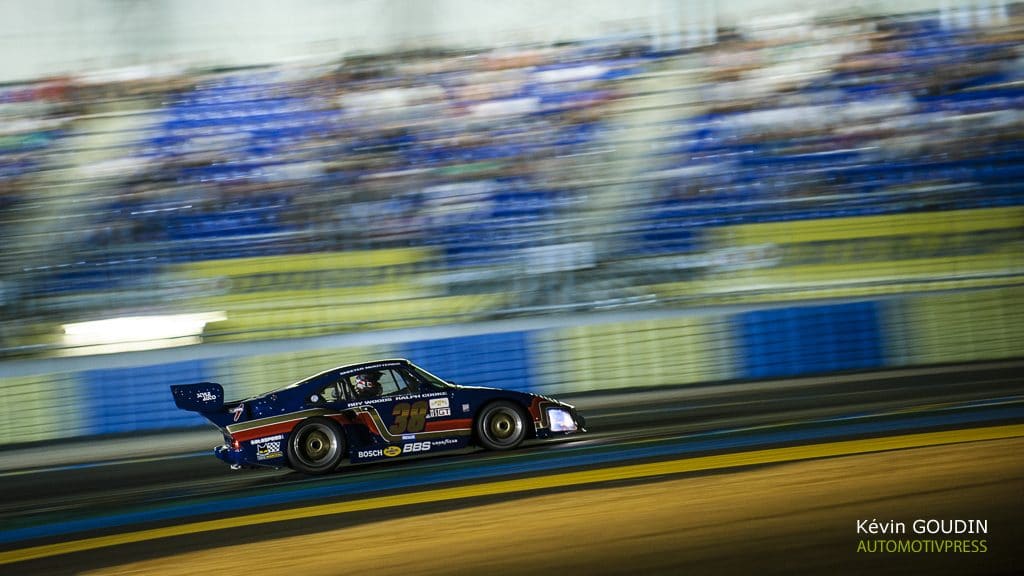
x=445 y=442
x=408 y=436
x=392 y=451
x=416 y=447
x=375 y=366
x=436 y=403
x=371 y=402
x=264 y=440
x=369 y=453
x=439 y=413
x=465 y=408
x=399 y=398
x=268 y=451
x=237 y=411
x=206 y=396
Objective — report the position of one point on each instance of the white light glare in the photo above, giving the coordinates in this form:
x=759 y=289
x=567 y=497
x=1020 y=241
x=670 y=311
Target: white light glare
x=561 y=420
x=130 y=333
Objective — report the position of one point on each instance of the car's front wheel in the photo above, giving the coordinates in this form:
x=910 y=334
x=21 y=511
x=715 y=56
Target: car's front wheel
x=501 y=426
x=316 y=446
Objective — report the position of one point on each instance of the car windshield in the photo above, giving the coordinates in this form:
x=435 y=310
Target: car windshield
x=430 y=378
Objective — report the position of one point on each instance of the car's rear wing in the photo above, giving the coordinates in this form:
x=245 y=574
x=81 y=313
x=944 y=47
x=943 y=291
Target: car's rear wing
x=207 y=398
x=200 y=397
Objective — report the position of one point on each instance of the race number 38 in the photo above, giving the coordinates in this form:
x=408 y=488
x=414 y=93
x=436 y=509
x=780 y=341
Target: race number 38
x=409 y=418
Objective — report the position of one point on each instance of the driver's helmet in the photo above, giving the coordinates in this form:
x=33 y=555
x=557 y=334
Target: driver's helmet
x=367 y=384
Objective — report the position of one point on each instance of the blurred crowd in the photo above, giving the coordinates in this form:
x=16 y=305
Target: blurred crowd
x=501 y=160
x=32 y=118
x=368 y=155
x=861 y=118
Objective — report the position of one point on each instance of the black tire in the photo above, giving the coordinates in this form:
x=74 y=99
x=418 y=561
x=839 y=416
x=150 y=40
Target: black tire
x=316 y=446
x=501 y=426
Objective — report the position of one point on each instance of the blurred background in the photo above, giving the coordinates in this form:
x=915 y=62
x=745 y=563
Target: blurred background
x=559 y=197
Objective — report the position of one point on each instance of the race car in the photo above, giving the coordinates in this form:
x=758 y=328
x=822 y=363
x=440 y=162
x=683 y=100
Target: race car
x=376 y=410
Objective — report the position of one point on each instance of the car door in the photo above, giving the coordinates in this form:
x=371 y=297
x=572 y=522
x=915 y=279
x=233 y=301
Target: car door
x=386 y=403
x=408 y=415
x=445 y=426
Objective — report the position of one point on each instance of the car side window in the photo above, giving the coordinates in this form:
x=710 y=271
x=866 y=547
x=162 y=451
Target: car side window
x=330 y=392
x=393 y=383
x=367 y=385
x=377 y=383
x=412 y=384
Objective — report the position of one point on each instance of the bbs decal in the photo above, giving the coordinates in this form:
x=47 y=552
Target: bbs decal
x=416 y=447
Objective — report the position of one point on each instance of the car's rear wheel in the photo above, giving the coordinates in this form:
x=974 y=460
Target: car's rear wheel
x=316 y=446
x=501 y=426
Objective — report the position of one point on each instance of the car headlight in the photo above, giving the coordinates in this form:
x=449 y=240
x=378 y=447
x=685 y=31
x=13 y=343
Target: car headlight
x=560 y=420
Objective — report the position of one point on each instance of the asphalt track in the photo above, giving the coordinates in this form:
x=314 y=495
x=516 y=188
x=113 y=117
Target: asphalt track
x=91 y=516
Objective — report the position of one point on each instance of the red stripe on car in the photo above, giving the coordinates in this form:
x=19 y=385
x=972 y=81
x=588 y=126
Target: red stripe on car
x=449 y=425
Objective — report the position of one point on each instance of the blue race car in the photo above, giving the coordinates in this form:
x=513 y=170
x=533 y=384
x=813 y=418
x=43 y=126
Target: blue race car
x=371 y=411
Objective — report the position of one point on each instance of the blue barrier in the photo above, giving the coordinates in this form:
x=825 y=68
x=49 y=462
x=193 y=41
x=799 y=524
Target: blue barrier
x=809 y=340
x=569 y=357
x=131 y=399
x=488 y=360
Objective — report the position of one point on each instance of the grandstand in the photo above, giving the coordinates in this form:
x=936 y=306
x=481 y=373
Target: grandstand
x=575 y=175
